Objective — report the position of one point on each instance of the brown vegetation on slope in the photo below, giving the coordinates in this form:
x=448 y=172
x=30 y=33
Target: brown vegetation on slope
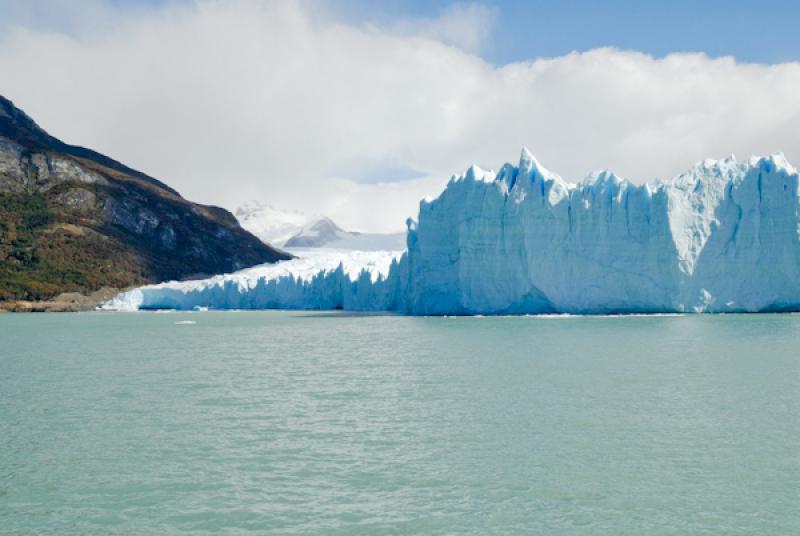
x=72 y=220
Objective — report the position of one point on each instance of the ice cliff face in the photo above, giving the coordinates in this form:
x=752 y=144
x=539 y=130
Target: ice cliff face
x=324 y=279
x=721 y=237
x=725 y=236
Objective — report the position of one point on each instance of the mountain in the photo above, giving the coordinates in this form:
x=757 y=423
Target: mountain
x=294 y=229
x=325 y=233
x=73 y=220
x=271 y=225
x=315 y=235
x=722 y=237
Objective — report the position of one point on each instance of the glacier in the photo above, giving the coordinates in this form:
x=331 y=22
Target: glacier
x=722 y=237
x=315 y=279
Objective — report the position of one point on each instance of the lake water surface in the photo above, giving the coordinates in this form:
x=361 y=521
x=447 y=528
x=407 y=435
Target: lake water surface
x=323 y=423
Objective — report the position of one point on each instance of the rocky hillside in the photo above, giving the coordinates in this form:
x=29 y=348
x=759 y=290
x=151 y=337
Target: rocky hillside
x=73 y=220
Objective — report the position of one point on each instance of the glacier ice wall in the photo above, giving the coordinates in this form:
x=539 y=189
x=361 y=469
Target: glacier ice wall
x=318 y=279
x=722 y=237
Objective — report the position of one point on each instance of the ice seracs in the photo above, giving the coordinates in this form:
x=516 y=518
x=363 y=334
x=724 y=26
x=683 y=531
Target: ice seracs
x=722 y=237
x=321 y=279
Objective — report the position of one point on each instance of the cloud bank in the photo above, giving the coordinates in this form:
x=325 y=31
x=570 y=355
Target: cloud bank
x=281 y=101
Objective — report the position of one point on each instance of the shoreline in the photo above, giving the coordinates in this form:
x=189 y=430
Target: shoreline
x=66 y=302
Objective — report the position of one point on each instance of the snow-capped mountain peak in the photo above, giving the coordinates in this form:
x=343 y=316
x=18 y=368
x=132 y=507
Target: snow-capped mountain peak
x=271 y=225
x=317 y=234
x=295 y=229
x=325 y=233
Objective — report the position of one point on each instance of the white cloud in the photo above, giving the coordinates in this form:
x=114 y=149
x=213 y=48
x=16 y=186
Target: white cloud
x=229 y=101
x=465 y=26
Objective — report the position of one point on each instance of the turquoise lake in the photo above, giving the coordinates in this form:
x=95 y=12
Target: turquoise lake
x=325 y=423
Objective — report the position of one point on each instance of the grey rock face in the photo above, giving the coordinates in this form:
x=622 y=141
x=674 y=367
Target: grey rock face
x=22 y=170
x=167 y=236
x=131 y=216
x=12 y=173
x=78 y=199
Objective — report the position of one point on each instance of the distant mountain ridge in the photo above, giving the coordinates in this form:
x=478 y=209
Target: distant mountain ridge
x=272 y=225
x=74 y=220
x=325 y=233
x=294 y=229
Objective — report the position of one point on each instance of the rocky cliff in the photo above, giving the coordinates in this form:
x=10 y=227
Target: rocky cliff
x=73 y=220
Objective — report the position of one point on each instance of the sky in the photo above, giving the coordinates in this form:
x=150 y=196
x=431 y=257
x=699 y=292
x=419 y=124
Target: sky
x=358 y=109
x=752 y=31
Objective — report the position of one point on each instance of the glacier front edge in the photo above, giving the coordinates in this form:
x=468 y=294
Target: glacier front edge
x=722 y=237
